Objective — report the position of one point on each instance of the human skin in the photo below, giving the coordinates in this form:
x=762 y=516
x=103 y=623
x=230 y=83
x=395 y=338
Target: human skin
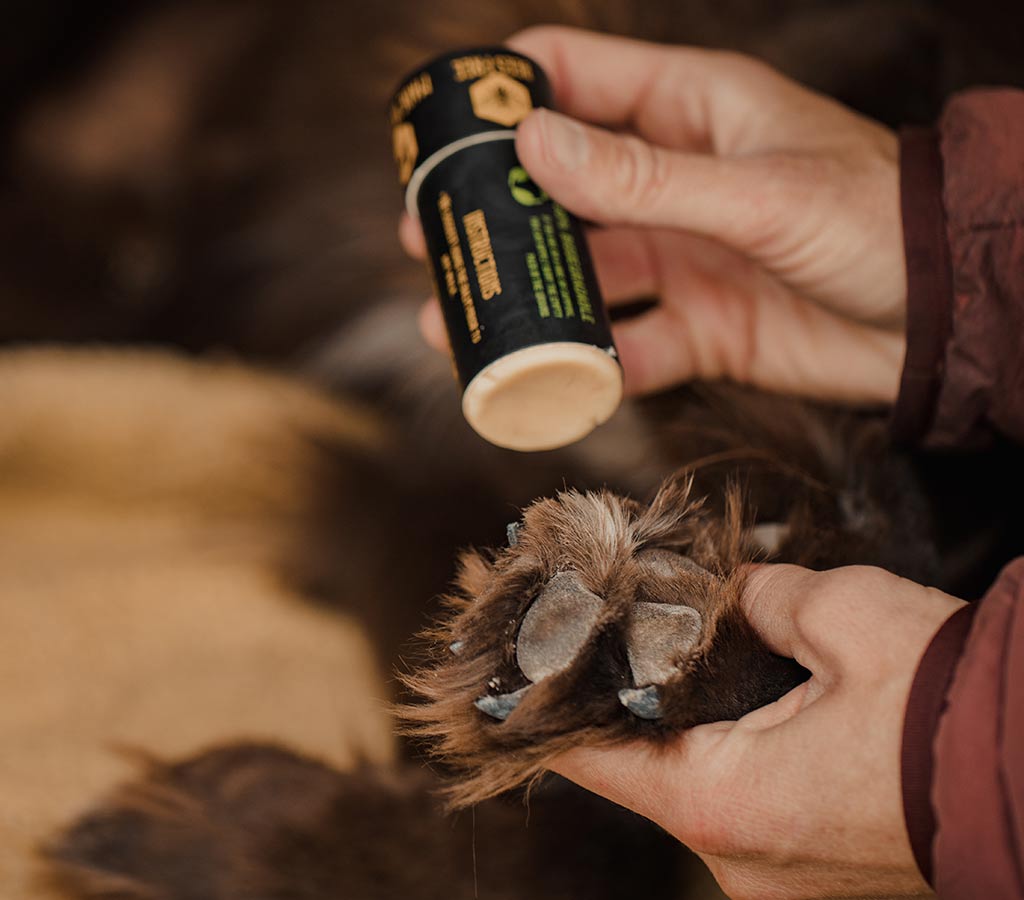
x=763 y=220
x=800 y=798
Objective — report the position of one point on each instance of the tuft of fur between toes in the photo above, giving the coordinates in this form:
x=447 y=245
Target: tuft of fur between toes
x=604 y=620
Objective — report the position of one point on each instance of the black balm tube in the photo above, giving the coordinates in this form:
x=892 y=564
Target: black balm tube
x=530 y=338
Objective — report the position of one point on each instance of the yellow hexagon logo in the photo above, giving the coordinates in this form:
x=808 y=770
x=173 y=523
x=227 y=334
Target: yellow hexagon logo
x=500 y=98
x=405 y=148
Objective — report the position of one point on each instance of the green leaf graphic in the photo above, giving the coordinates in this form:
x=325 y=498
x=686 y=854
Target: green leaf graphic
x=523 y=189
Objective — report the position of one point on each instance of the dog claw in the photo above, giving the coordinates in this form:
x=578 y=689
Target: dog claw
x=512 y=533
x=455 y=647
x=500 y=706
x=644 y=703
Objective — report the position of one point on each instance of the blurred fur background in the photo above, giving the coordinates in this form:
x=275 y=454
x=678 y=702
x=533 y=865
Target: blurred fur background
x=231 y=477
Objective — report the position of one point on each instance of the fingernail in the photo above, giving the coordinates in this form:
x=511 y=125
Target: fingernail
x=566 y=141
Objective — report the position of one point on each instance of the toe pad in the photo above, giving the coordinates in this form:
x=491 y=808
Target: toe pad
x=556 y=626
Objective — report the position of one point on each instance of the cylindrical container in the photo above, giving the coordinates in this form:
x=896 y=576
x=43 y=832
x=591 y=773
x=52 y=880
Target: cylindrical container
x=530 y=338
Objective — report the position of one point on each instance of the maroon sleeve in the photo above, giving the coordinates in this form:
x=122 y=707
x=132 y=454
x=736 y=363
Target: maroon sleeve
x=963 y=749
x=962 y=188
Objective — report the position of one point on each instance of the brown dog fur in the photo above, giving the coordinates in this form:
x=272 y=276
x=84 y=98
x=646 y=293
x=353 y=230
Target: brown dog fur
x=602 y=538
x=257 y=820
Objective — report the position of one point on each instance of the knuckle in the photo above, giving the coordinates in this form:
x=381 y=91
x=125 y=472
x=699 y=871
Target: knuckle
x=852 y=582
x=642 y=172
x=813 y=616
x=837 y=594
x=742 y=67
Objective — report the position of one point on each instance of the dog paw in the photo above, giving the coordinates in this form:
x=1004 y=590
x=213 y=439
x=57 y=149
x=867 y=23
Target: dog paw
x=602 y=621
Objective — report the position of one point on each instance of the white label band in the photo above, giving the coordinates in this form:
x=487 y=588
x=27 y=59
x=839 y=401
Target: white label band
x=439 y=156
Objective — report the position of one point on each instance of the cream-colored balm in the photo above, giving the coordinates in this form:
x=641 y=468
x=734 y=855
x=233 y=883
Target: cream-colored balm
x=543 y=397
x=530 y=338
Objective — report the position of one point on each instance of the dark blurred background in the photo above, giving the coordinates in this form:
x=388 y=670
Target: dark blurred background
x=215 y=178
x=217 y=175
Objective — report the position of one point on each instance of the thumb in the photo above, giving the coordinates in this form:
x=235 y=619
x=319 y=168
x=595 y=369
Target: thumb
x=616 y=179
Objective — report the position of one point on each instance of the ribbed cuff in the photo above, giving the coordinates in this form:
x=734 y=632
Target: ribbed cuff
x=929 y=284
x=925 y=706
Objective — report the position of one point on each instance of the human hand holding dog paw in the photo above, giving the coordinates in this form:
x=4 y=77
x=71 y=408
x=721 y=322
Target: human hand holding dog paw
x=762 y=217
x=800 y=798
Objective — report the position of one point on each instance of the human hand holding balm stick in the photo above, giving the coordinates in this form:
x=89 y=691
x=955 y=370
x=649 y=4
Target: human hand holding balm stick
x=531 y=341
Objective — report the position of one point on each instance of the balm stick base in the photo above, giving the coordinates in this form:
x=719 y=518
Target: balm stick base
x=543 y=397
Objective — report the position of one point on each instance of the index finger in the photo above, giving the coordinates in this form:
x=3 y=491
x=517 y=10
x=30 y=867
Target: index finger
x=677 y=96
x=645 y=777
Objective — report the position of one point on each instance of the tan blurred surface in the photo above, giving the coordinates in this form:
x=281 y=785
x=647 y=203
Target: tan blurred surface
x=142 y=499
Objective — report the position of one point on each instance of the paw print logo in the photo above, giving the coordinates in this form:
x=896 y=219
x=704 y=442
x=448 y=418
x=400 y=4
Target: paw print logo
x=499 y=98
x=405 y=148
